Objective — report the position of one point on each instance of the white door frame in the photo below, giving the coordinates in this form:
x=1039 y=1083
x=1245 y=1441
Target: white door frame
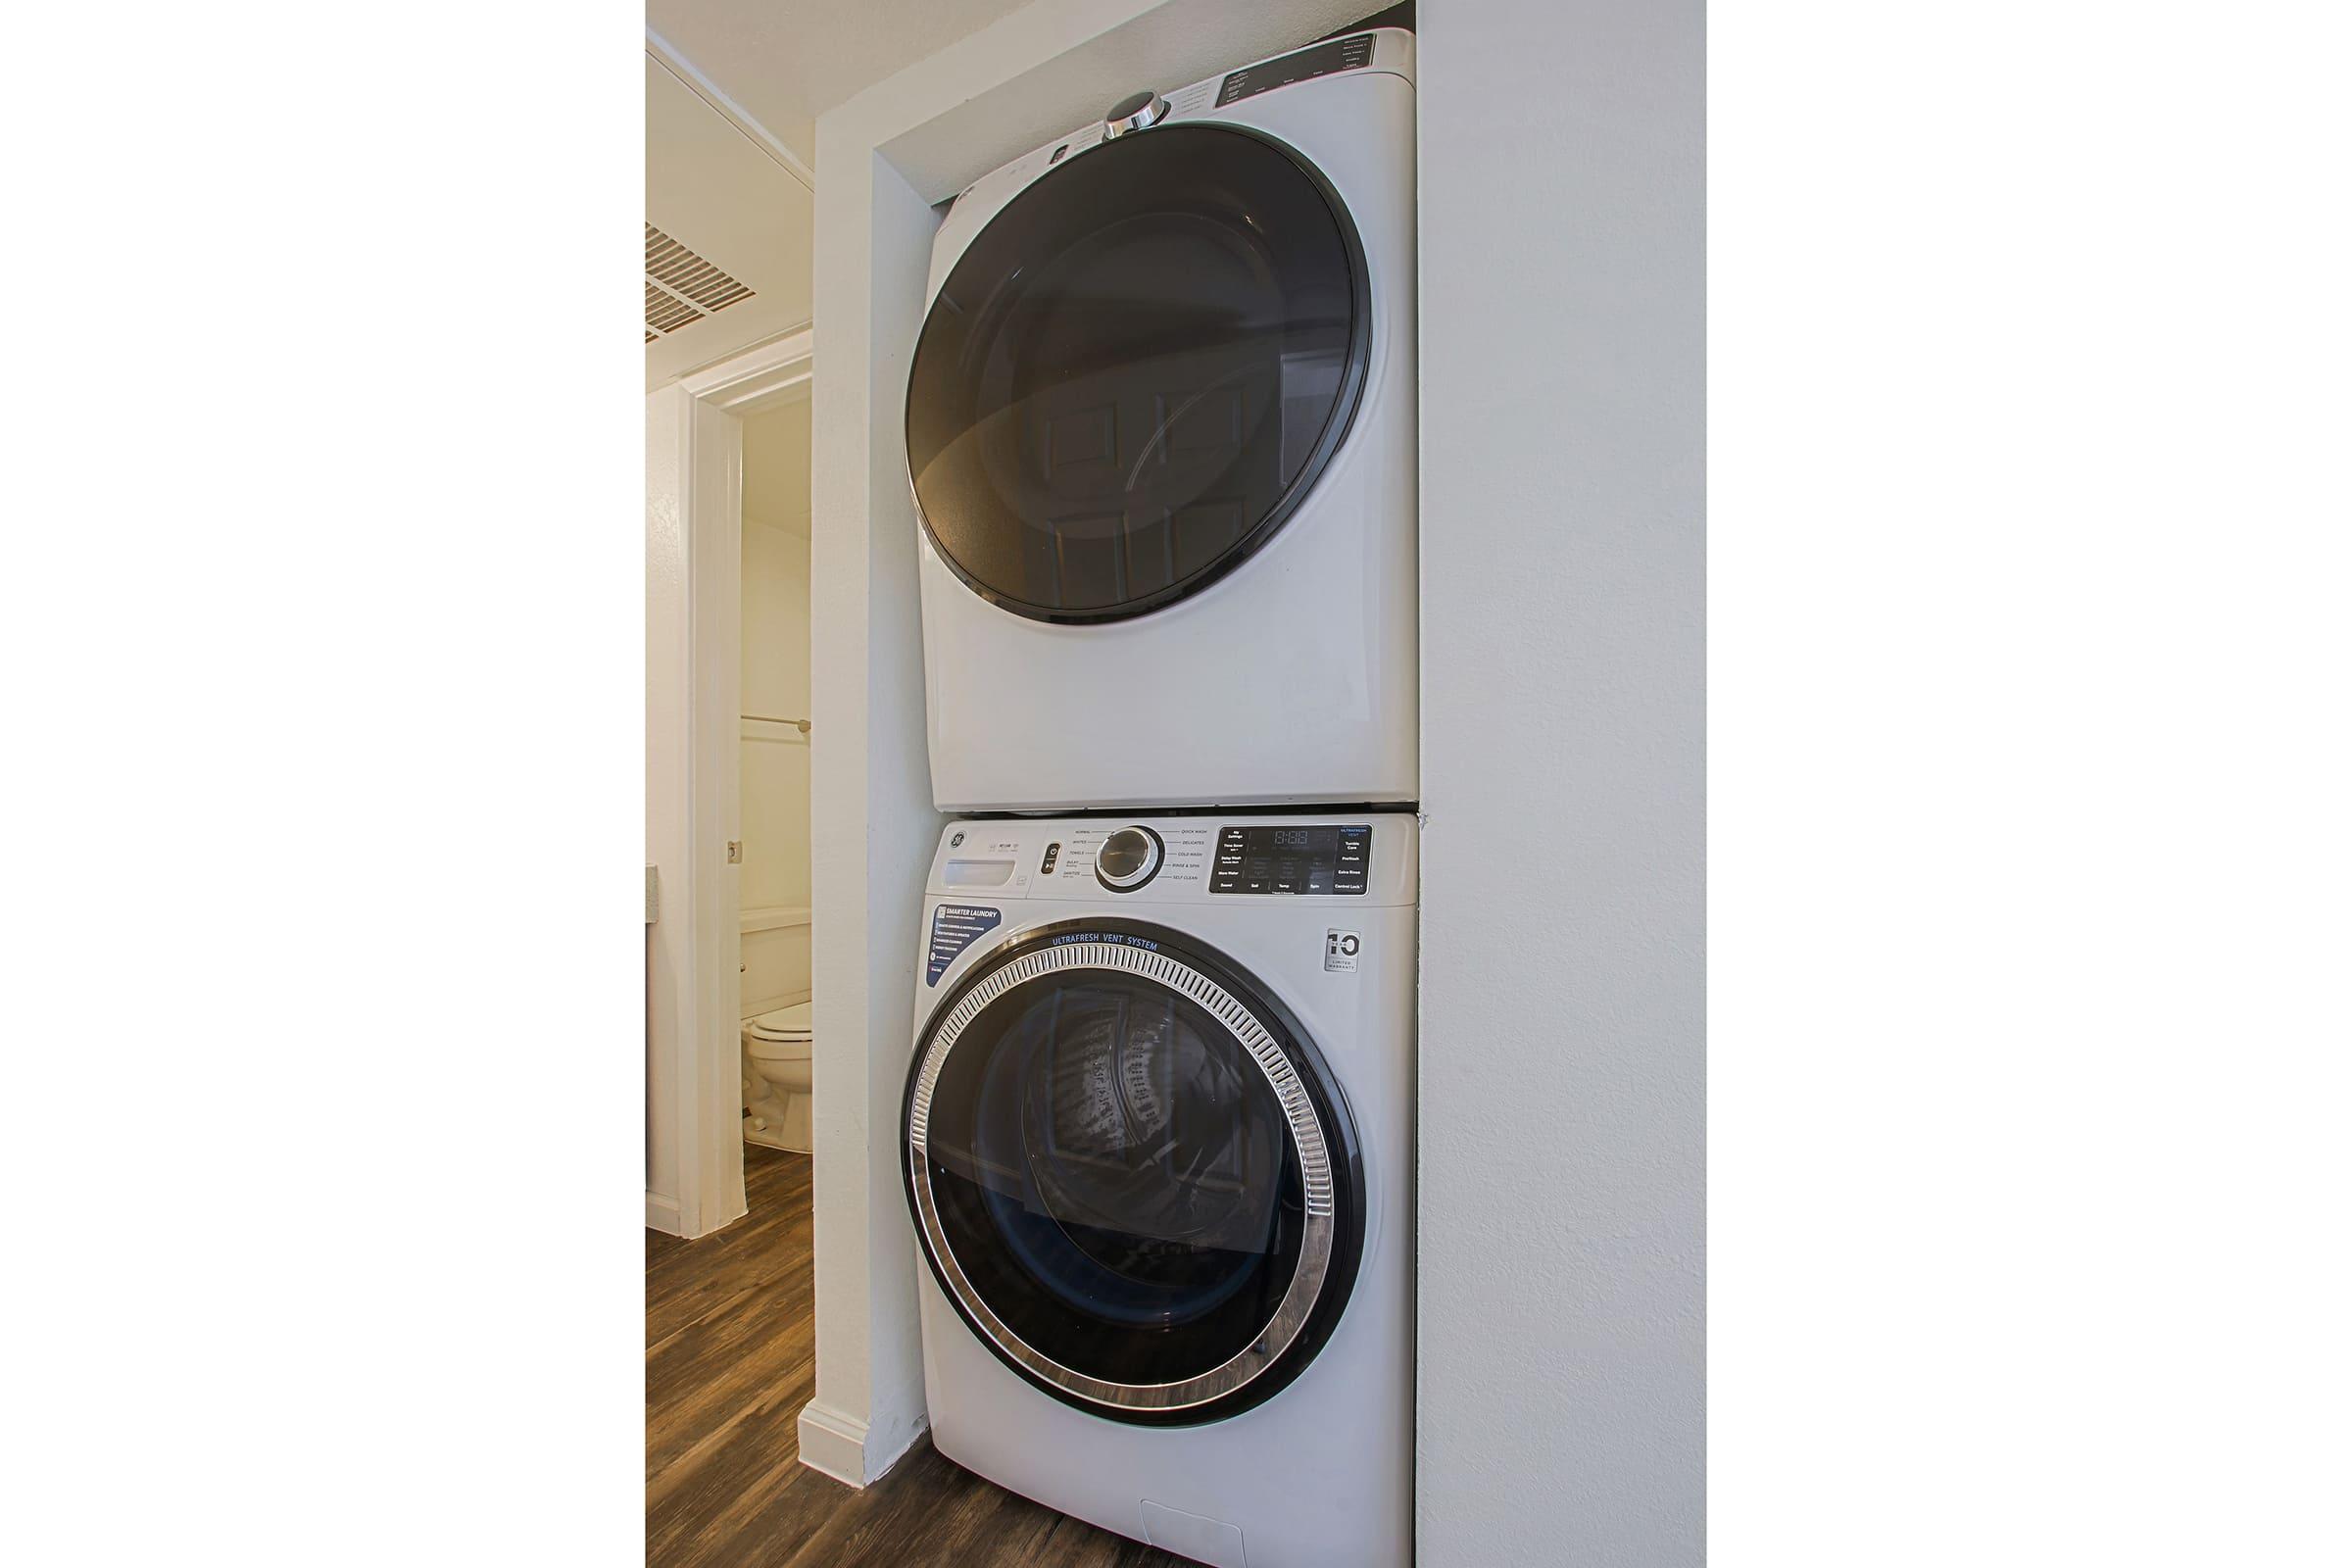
x=694 y=1087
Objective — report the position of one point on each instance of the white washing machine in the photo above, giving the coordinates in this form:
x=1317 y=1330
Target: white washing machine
x=1158 y=1151
x=1160 y=427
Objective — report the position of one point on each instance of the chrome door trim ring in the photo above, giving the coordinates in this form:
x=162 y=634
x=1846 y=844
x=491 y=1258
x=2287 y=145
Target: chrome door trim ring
x=1306 y=1135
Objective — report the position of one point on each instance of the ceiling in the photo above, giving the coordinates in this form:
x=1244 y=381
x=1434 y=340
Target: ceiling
x=732 y=92
x=729 y=202
x=789 y=61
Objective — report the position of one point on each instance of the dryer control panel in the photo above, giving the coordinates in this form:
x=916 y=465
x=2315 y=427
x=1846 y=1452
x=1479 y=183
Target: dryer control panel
x=1319 y=59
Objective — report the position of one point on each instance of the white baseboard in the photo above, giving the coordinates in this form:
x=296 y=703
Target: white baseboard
x=662 y=1214
x=832 y=1444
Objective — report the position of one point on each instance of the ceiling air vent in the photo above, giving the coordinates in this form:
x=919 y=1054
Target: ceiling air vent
x=675 y=275
x=665 y=312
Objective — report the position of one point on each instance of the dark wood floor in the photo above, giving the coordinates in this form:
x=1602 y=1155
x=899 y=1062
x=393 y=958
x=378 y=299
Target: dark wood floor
x=730 y=1342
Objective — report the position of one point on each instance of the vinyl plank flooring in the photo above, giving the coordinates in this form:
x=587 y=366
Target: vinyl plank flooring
x=759 y=1342
x=730 y=1359
x=689 y=1280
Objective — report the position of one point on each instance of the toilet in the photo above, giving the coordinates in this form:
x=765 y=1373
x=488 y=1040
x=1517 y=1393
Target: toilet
x=776 y=1077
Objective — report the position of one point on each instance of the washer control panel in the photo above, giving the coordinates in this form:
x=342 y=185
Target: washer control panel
x=1129 y=862
x=1306 y=857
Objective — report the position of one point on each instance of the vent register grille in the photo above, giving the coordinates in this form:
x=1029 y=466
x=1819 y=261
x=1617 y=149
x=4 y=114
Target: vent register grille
x=680 y=287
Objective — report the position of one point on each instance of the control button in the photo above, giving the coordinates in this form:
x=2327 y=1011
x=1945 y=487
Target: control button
x=1128 y=858
x=1053 y=854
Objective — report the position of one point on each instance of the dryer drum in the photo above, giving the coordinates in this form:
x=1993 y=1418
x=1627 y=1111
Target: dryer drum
x=1136 y=371
x=1132 y=1174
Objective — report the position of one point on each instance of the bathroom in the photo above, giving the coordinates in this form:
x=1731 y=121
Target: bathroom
x=772 y=882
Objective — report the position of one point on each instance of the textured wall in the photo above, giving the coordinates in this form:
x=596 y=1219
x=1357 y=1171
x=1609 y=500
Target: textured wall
x=1562 y=1034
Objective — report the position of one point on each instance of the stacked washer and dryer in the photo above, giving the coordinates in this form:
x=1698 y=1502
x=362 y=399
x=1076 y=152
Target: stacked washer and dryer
x=1157 y=1136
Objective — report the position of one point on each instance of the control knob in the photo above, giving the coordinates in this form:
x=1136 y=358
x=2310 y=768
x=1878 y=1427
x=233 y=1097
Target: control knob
x=1136 y=111
x=1128 y=858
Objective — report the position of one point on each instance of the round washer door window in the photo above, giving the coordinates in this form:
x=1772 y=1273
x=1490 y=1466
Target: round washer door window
x=1136 y=371
x=1131 y=1175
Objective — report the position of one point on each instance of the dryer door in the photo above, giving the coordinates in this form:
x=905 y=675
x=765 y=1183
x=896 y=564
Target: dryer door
x=1130 y=1173
x=1135 y=373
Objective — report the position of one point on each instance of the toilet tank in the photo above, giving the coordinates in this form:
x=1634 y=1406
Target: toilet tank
x=775 y=960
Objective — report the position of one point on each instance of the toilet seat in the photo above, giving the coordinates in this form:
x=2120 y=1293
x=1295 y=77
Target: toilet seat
x=794 y=1022
x=783 y=1035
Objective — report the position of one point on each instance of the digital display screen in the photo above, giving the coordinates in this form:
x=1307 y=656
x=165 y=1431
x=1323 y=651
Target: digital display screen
x=1290 y=838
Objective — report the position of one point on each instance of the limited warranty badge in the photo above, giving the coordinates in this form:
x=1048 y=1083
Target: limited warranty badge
x=1339 y=949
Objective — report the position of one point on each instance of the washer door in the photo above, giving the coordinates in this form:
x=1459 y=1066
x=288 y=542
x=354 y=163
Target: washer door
x=1136 y=371
x=1132 y=1175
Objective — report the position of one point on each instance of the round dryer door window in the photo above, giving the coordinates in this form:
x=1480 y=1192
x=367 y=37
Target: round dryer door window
x=1136 y=371
x=1132 y=1175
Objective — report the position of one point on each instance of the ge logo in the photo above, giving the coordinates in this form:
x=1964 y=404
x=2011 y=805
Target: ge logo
x=1339 y=949
x=956 y=843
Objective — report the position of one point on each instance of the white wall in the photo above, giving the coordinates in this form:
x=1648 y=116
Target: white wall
x=776 y=683
x=777 y=965
x=776 y=503
x=1564 y=961
x=777 y=659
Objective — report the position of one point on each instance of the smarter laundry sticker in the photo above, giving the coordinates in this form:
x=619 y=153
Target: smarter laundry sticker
x=954 y=928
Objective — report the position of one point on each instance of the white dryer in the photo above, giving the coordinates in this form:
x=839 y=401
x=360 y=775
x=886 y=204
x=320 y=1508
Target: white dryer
x=1160 y=426
x=1157 y=1147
